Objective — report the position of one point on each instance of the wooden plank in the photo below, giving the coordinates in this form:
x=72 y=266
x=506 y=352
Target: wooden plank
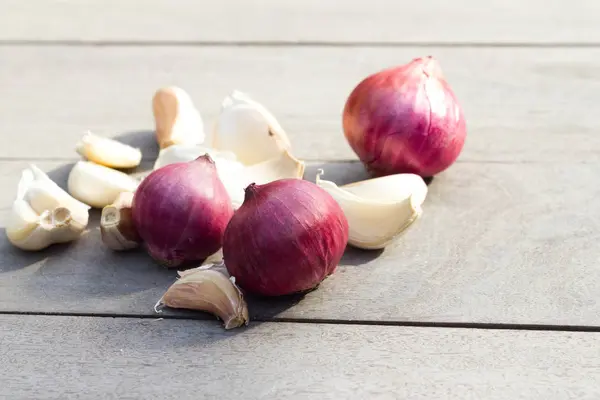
x=521 y=106
x=497 y=243
x=383 y=21
x=62 y=357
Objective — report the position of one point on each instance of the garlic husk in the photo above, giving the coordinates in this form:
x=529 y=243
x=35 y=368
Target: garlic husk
x=378 y=210
x=117 y=228
x=176 y=118
x=188 y=152
x=43 y=214
x=246 y=128
x=108 y=152
x=208 y=288
x=283 y=166
x=97 y=185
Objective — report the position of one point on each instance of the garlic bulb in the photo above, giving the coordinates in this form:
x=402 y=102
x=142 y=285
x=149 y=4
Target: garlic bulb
x=378 y=210
x=177 y=120
x=97 y=185
x=249 y=130
x=116 y=224
x=108 y=152
x=44 y=214
x=208 y=288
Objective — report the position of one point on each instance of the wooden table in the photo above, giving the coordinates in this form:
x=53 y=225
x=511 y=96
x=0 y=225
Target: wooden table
x=492 y=294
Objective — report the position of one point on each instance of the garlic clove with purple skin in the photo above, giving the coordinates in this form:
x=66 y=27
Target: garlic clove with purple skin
x=117 y=228
x=380 y=209
x=210 y=289
x=246 y=128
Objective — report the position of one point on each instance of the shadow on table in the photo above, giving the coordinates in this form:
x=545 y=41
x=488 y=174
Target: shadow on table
x=145 y=140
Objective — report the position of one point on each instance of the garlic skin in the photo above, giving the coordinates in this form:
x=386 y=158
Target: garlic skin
x=378 y=210
x=43 y=213
x=177 y=120
x=208 y=288
x=117 y=228
x=108 y=152
x=283 y=166
x=248 y=129
x=97 y=185
x=188 y=152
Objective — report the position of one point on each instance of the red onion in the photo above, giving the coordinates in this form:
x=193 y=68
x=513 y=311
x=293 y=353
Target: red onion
x=287 y=237
x=405 y=120
x=181 y=211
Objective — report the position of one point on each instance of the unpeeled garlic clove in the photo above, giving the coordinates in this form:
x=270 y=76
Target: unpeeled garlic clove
x=208 y=288
x=97 y=185
x=108 y=152
x=117 y=228
x=249 y=130
x=177 y=120
x=378 y=210
x=43 y=213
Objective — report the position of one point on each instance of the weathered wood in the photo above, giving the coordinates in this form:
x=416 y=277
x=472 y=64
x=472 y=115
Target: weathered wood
x=521 y=106
x=63 y=357
x=384 y=21
x=508 y=243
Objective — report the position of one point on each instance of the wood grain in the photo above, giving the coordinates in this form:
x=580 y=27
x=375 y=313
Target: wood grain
x=381 y=21
x=521 y=106
x=497 y=243
x=65 y=357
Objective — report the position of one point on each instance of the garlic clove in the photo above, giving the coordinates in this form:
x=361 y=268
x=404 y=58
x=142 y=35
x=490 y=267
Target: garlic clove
x=32 y=232
x=249 y=130
x=108 y=152
x=41 y=193
x=378 y=210
x=188 y=152
x=97 y=185
x=210 y=289
x=176 y=118
x=117 y=228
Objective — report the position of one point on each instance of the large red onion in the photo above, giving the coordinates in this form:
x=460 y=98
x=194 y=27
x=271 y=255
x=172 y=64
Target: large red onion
x=181 y=211
x=287 y=237
x=405 y=120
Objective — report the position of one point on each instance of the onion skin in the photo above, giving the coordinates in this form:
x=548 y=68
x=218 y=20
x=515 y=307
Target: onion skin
x=286 y=238
x=405 y=119
x=181 y=211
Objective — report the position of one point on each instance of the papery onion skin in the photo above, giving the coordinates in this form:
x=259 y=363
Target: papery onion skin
x=181 y=211
x=405 y=119
x=286 y=238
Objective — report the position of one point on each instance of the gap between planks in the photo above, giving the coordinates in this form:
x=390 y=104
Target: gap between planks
x=286 y=43
x=417 y=324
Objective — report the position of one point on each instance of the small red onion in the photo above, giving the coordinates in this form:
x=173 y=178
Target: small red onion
x=181 y=211
x=405 y=120
x=287 y=237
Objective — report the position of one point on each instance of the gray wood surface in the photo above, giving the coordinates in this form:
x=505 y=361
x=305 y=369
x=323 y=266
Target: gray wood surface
x=521 y=105
x=92 y=358
x=510 y=21
x=501 y=243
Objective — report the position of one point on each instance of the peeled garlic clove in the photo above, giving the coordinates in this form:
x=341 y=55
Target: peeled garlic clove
x=378 y=210
x=32 y=232
x=98 y=185
x=108 y=152
x=210 y=289
x=116 y=224
x=177 y=120
x=249 y=130
x=42 y=194
x=188 y=152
